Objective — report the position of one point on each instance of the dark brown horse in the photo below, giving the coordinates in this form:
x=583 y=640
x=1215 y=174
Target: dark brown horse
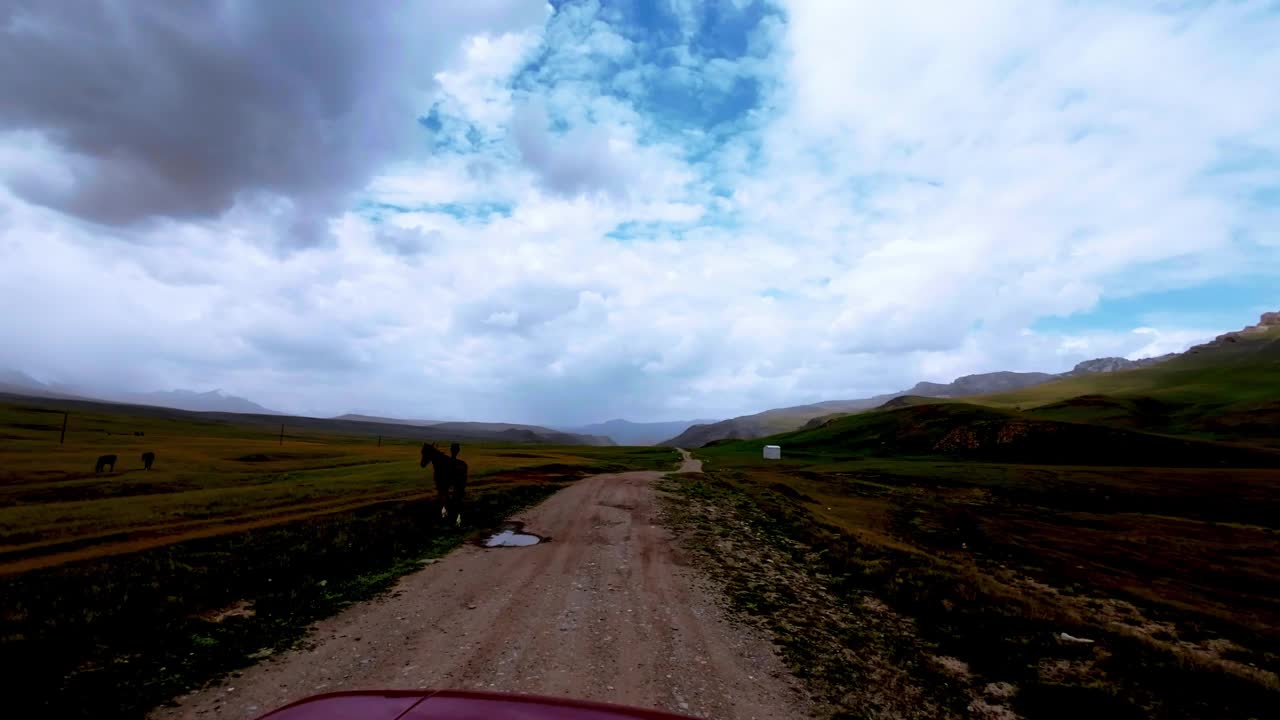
x=104 y=461
x=451 y=479
x=147 y=459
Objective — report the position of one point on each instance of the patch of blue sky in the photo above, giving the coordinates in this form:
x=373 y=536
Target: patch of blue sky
x=713 y=218
x=681 y=99
x=448 y=132
x=649 y=23
x=645 y=230
x=1239 y=157
x=680 y=72
x=483 y=211
x=728 y=28
x=378 y=211
x=1225 y=304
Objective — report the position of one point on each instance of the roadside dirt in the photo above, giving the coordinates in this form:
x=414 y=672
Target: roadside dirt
x=606 y=610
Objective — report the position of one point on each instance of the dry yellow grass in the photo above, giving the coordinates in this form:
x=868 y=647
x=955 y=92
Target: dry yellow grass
x=209 y=474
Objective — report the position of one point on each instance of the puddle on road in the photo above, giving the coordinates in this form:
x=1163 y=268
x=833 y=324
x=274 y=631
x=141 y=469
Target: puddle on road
x=512 y=535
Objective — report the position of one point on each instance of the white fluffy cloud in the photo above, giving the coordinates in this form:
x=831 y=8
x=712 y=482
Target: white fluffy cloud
x=906 y=192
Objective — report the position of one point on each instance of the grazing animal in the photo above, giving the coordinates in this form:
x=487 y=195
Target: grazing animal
x=451 y=479
x=104 y=461
x=147 y=459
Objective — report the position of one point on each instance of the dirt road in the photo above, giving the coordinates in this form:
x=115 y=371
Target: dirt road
x=605 y=610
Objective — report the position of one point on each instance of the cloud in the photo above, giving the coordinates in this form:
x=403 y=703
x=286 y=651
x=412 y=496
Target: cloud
x=478 y=89
x=179 y=111
x=705 y=210
x=988 y=165
x=577 y=162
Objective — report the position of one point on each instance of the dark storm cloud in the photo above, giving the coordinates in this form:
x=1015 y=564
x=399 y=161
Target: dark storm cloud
x=176 y=109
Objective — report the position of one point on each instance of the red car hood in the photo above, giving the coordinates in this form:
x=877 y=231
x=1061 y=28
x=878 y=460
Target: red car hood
x=454 y=705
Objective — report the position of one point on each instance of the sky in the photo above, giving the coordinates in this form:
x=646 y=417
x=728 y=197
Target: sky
x=563 y=213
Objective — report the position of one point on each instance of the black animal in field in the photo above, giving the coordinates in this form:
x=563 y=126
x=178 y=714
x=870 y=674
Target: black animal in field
x=105 y=461
x=147 y=459
x=451 y=479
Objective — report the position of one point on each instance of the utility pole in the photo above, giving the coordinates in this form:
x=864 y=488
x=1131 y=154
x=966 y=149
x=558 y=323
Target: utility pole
x=379 y=441
x=282 y=433
x=63 y=437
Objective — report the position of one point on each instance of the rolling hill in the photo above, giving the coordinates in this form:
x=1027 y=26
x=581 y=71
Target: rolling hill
x=15 y=382
x=221 y=407
x=1215 y=404
x=779 y=420
x=442 y=432
x=212 y=401
x=1224 y=388
x=511 y=432
x=625 y=432
x=1228 y=388
x=393 y=421
x=965 y=430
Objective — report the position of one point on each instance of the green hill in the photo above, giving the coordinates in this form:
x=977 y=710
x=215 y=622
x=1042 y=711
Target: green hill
x=968 y=431
x=1228 y=389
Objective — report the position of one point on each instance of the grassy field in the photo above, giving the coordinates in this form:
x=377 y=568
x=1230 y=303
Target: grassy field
x=958 y=565
x=119 y=590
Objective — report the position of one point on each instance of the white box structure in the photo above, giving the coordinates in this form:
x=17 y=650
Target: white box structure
x=772 y=452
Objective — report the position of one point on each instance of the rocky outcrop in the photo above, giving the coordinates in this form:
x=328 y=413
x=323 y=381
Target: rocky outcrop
x=1268 y=322
x=1114 y=364
x=980 y=384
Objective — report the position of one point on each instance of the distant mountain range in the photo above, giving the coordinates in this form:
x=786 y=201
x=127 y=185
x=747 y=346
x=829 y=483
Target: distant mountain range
x=1217 y=404
x=19 y=383
x=377 y=419
x=503 y=432
x=222 y=406
x=690 y=433
x=212 y=401
x=625 y=432
x=779 y=420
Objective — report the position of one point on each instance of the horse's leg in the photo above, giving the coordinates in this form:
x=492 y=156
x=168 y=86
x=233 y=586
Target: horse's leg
x=460 y=493
x=442 y=494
